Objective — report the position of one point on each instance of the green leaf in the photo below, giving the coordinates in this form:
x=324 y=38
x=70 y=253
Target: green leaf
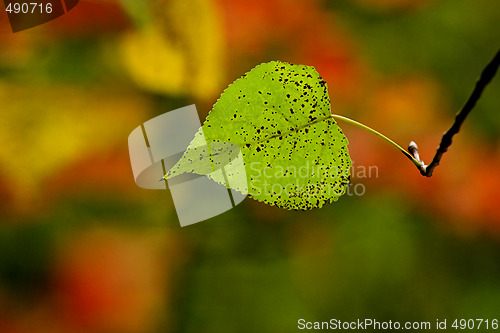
x=295 y=155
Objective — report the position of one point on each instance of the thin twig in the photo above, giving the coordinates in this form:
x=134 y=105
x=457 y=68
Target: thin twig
x=485 y=78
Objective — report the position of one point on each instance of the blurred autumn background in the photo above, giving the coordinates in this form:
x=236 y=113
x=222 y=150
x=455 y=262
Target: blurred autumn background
x=83 y=249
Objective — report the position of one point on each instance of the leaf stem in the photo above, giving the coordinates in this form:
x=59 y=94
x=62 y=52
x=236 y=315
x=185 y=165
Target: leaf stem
x=426 y=170
x=380 y=135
